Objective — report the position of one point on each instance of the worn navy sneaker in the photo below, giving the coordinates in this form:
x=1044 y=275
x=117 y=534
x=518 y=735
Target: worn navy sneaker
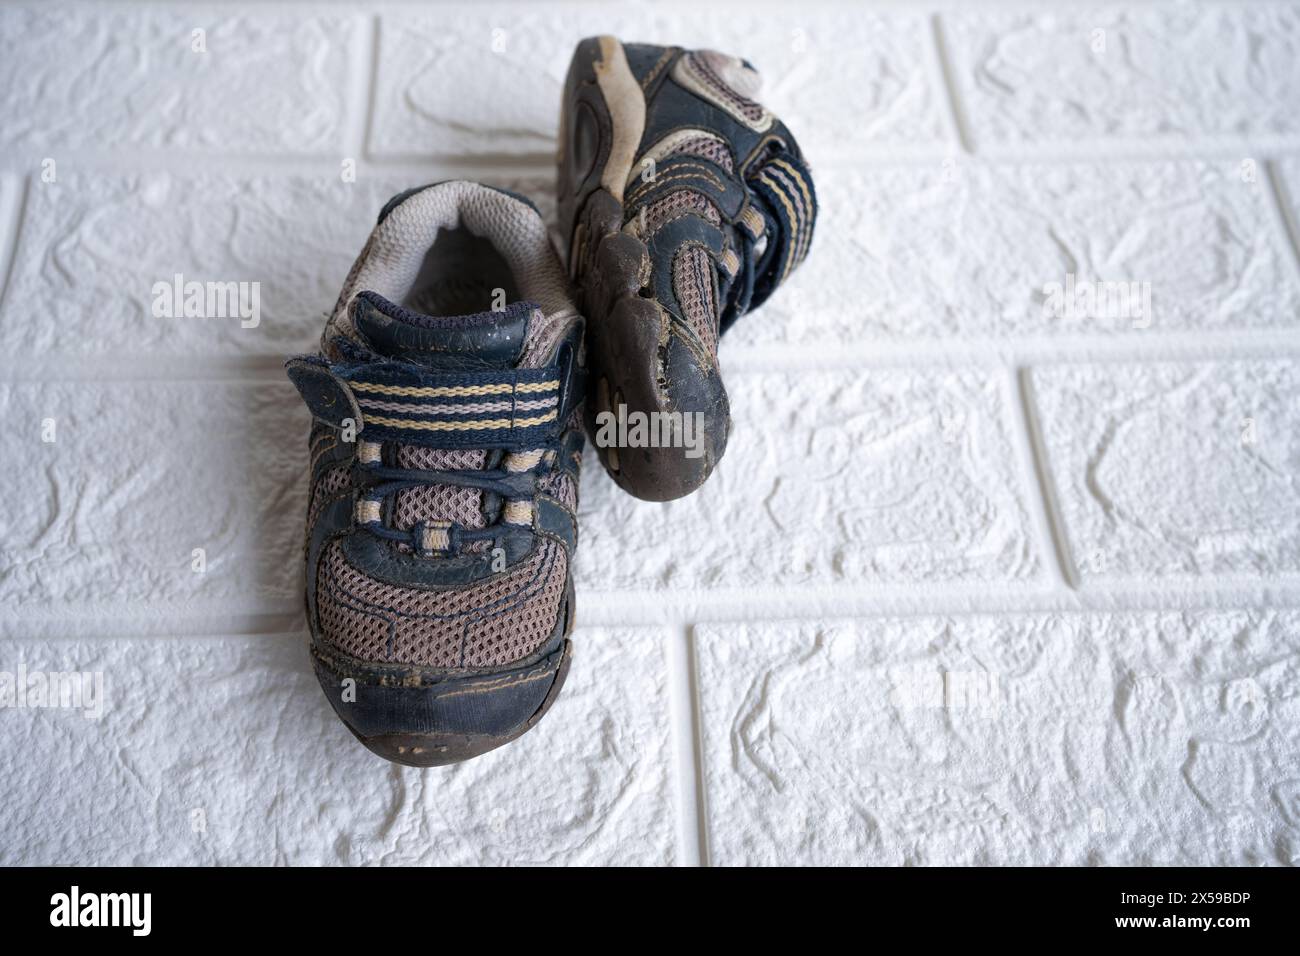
x=684 y=203
x=445 y=447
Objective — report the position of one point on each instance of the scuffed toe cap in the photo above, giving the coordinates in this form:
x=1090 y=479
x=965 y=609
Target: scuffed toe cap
x=428 y=676
x=412 y=720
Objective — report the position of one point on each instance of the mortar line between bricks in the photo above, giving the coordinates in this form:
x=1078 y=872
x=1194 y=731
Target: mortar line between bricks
x=686 y=609
x=407 y=7
x=1283 y=208
x=692 y=839
x=942 y=75
x=423 y=166
x=372 y=105
x=1101 y=151
x=11 y=223
x=651 y=607
x=361 y=93
x=1067 y=349
x=287 y=164
x=1070 y=349
x=1047 y=520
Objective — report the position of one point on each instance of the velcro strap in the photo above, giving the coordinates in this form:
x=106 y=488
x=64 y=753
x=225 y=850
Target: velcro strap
x=400 y=401
x=785 y=186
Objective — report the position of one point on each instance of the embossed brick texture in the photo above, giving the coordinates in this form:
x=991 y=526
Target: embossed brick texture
x=260 y=776
x=1064 y=739
x=1154 y=73
x=153 y=78
x=815 y=62
x=991 y=573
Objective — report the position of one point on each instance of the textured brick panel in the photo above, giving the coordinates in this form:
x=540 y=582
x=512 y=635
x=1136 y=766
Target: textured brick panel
x=1050 y=740
x=92 y=247
x=130 y=77
x=886 y=477
x=969 y=250
x=1289 y=186
x=226 y=752
x=1175 y=469
x=487 y=79
x=1158 y=722
x=138 y=476
x=1164 y=73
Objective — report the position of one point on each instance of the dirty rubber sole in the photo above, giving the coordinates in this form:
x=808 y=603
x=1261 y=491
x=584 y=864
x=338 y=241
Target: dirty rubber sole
x=601 y=125
x=439 y=750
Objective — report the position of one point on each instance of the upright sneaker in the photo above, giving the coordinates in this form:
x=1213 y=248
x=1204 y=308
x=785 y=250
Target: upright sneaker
x=684 y=203
x=445 y=447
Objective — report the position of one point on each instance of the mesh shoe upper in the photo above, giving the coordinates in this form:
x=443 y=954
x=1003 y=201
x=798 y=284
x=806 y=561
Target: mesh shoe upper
x=714 y=157
x=440 y=536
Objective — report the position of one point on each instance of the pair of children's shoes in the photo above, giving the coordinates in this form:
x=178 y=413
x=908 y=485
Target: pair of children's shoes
x=457 y=374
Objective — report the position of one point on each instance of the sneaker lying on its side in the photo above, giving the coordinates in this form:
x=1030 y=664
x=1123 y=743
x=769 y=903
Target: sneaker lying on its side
x=445 y=449
x=685 y=203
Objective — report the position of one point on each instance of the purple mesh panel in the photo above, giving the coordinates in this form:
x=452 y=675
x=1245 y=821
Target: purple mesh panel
x=493 y=623
x=329 y=485
x=746 y=107
x=678 y=203
x=438 y=502
x=693 y=286
x=710 y=148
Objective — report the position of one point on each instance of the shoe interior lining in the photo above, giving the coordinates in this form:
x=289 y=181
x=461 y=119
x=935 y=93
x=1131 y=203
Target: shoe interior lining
x=460 y=275
x=400 y=262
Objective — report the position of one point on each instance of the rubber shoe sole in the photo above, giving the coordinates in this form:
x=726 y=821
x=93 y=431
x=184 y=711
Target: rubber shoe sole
x=636 y=359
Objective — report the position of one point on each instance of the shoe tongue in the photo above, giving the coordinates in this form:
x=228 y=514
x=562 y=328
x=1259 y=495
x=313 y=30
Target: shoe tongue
x=482 y=340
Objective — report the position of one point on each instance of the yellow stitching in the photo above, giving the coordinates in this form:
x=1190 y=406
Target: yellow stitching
x=805 y=231
x=800 y=222
x=486 y=687
x=460 y=426
x=435 y=536
x=523 y=460
x=675 y=175
x=322 y=449
x=664 y=57
x=518 y=512
x=753 y=221
x=780 y=194
x=452 y=391
x=674 y=217
x=798 y=178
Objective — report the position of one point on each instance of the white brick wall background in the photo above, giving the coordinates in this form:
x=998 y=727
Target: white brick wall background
x=975 y=583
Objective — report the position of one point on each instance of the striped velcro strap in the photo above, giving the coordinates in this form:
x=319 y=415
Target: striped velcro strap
x=503 y=408
x=785 y=186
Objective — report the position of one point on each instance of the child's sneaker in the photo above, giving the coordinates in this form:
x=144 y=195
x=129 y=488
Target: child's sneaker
x=684 y=204
x=444 y=477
